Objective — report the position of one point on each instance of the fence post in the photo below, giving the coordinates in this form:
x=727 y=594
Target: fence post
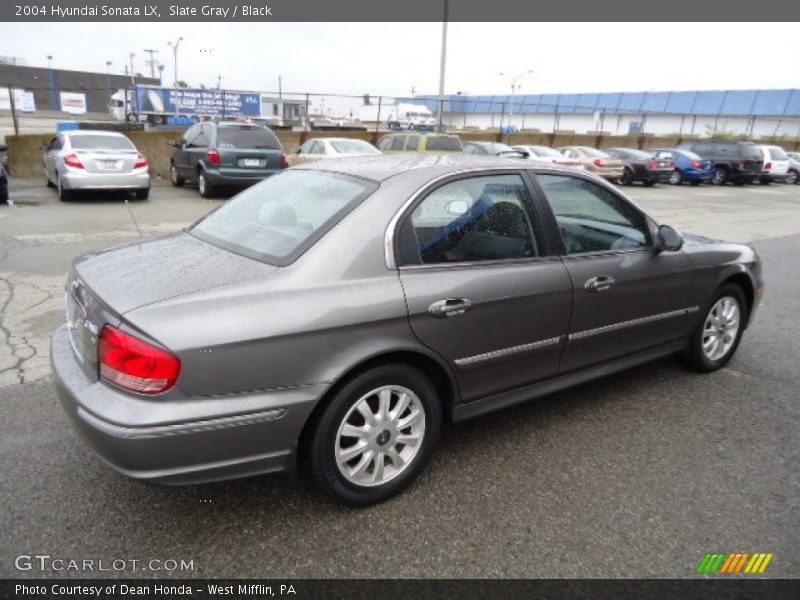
x=13 y=110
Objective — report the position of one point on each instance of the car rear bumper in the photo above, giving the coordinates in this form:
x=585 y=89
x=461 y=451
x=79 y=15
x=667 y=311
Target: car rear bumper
x=76 y=180
x=152 y=440
x=238 y=177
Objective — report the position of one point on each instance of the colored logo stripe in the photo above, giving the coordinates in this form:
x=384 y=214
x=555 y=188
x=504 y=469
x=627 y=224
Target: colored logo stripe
x=720 y=562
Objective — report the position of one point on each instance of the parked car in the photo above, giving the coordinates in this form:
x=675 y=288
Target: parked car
x=688 y=166
x=595 y=161
x=229 y=154
x=3 y=185
x=547 y=155
x=420 y=142
x=776 y=164
x=793 y=176
x=4 y=158
x=641 y=166
x=337 y=314
x=327 y=148
x=488 y=148
x=85 y=160
x=737 y=162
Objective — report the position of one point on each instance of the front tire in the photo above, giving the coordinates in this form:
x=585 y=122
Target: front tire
x=175 y=179
x=720 y=177
x=792 y=177
x=719 y=331
x=376 y=434
x=676 y=177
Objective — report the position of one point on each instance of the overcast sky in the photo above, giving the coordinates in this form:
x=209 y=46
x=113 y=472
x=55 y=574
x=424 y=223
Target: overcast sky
x=390 y=58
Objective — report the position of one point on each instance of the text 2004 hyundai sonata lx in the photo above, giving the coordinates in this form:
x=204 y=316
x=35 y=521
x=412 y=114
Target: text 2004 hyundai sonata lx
x=337 y=314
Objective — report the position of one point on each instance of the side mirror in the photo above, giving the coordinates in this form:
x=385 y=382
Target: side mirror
x=44 y=147
x=298 y=151
x=668 y=240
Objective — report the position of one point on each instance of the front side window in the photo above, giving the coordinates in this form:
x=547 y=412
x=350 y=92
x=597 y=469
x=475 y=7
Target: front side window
x=475 y=219
x=277 y=219
x=398 y=142
x=385 y=144
x=592 y=218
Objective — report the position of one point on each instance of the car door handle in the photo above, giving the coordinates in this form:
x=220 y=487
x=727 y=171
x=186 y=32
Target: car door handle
x=451 y=307
x=599 y=284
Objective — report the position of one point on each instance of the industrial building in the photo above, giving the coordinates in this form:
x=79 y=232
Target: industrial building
x=754 y=113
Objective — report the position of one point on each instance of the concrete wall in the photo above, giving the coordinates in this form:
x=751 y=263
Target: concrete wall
x=25 y=156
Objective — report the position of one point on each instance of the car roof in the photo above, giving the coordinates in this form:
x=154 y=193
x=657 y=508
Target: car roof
x=381 y=168
x=74 y=132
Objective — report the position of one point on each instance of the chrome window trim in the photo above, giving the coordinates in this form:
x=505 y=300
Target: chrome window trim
x=579 y=335
x=477 y=359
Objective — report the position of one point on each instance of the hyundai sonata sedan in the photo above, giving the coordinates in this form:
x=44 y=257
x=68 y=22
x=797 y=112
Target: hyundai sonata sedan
x=335 y=316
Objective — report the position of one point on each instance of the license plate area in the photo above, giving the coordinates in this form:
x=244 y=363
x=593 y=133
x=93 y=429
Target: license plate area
x=108 y=165
x=252 y=163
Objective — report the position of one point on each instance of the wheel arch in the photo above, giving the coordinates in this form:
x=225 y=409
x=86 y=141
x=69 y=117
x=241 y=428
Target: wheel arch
x=433 y=367
x=743 y=280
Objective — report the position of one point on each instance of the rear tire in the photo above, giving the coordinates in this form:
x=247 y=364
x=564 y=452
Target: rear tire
x=700 y=353
x=142 y=194
x=720 y=177
x=4 y=195
x=676 y=177
x=649 y=183
x=64 y=195
x=175 y=179
x=47 y=181
x=626 y=178
x=695 y=182
x=764 y=181
x=203 y=186
x=391 y=396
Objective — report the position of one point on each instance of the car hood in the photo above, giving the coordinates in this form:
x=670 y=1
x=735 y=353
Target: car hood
x=142 y=273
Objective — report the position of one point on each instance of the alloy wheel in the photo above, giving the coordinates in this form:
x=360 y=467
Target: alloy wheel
x=380 y=436
x=721 y=328
x=675 y=177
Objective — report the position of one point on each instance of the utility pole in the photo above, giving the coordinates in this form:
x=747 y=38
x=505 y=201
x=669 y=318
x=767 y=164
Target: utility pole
x=219 y=82
x=442 y=66
x=152 y=62
x=13 y=110
x=515 y=87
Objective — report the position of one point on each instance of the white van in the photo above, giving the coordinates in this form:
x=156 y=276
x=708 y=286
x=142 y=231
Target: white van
x=410 y=116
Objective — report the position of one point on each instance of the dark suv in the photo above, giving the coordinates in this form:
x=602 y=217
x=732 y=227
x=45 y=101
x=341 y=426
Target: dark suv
x=737 y=162
x=225 y=154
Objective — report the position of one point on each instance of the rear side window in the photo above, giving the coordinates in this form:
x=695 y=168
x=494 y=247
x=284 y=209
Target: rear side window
x=100 y=142
x=279 y=218
x=443 y=143
x=247 y=137
x=398 y=142
x=475 y=219
x=778 y=153
x=413 y=142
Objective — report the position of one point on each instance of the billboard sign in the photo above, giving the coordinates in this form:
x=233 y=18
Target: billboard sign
x=73 y=103
x=23 y=101
x=184 y=101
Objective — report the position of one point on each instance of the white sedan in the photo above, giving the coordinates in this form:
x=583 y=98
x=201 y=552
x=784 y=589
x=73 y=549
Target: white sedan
x=332 y=147
x=545 y=154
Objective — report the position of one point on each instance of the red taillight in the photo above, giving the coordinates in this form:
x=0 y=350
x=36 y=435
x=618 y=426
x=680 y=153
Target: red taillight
x=652 y=164
x=671 y=164
x=284 y=162
x=741 y=163
x=696 y=164
x=768 y=166
x=135 y=365
x=599 y=162
x=213 y=157
x=72 y=160
x=141 y=162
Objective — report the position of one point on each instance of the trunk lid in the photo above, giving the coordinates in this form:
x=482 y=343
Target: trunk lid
x=107 y=161
x=134 y=275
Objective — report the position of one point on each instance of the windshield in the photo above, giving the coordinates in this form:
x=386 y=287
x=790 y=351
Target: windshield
x=100 y=142
x=247 y=136
x=278 y=219
x=443 y=142
x=354 y=147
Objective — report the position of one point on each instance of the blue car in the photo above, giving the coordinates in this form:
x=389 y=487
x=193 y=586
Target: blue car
x=688 y=166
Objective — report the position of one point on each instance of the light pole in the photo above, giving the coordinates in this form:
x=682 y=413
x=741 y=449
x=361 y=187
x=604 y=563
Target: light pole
x=133 y=80
x=175 y=47
x=51 y=76
x=442 y=66
x=515 y=86
x=108 y=79
x=160 y=75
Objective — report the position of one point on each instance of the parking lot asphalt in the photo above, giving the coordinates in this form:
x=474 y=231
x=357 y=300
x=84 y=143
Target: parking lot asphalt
x=636 y=475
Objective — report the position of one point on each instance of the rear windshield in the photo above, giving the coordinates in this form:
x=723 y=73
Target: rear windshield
x=778 y=153
x=631 y=153
x=443 y=142
x=354 y=147
x=248 y=137
x=278 y=219
x=750 y=151
x=100 y=142
x=545 y=151
x=593 y=152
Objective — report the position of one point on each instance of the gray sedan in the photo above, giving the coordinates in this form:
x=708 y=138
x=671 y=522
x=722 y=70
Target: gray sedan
x=335 y=316
x=81 y=160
